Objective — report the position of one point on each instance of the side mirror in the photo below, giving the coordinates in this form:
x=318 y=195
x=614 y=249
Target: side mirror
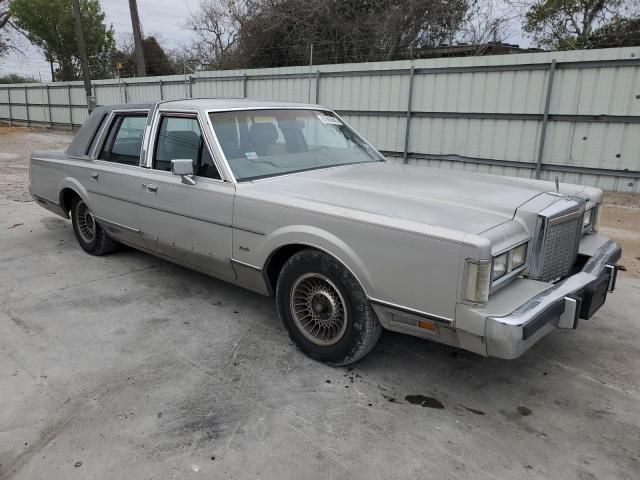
x=184 y=168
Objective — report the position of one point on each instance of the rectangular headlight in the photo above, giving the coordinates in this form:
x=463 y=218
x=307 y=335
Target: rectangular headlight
x=500 y=266
x=518 y=256
x=478 y=281
x=586 y=220
x=508 y=261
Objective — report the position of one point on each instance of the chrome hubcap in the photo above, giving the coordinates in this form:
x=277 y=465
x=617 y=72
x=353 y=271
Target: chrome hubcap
x=318 y=309
x=86 y=223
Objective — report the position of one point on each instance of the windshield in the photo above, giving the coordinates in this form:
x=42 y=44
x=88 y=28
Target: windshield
x=266 y=143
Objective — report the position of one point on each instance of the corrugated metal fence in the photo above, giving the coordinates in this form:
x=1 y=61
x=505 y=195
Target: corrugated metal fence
x=571 y=114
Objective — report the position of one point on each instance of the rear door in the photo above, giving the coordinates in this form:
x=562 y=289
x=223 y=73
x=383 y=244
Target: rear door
x=190 y=223
x=115 y=177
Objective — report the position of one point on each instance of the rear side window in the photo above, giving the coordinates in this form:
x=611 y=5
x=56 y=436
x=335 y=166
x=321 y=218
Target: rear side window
x=124 y=140
x=180 y=138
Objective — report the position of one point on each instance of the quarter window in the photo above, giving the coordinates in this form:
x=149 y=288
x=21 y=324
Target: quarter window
x=124 y=140
x=180 y=138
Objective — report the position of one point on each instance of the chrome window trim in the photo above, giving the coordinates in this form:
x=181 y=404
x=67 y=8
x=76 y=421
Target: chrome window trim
x=98 y=161
x=104 y=128
x=249 y=109
x=153 y=137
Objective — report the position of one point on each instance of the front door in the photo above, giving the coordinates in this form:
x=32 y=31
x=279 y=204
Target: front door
x=190 y=223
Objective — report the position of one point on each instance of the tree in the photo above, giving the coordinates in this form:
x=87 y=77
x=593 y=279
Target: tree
x=137 y=37
x=484 y=23
x=623 y=32
x=217 y=28
x=49 y=24
x=271 y=33
x=567 y=24
x=15 y=78
x=7 y=27
x=156 y=59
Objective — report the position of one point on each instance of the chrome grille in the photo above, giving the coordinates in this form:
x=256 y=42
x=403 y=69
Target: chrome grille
x=557 y=240
x=560 y=249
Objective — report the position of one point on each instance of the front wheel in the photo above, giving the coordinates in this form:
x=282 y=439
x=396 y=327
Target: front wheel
x=90 y=235
x=325 y=310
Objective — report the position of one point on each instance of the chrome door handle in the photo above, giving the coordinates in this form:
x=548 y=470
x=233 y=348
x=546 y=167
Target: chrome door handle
x=95 y=176
x=151 y=188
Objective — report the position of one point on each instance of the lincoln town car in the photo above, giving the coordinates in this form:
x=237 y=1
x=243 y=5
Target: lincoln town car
x=287 y=200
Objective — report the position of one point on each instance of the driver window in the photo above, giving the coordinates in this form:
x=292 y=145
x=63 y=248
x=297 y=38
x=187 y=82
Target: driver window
x=181 y=138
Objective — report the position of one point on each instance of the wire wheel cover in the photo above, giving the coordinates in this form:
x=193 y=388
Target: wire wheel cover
x=86 y=223
x=318 y=309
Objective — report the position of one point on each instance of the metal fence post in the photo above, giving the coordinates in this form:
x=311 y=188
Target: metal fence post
x=317 y=100
x=244 y=85
x=70 y=107
x=545 y=117
x=405 y=155
x=26 y=106
x=49 y=108
x=10 y=109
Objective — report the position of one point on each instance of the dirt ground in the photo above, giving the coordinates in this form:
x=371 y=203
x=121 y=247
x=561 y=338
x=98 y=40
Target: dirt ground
x=128 y=366
x=620 y=218
x=16 y=144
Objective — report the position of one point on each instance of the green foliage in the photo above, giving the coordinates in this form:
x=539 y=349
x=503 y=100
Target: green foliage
x=272 y=33
x=49 y=24
x=156 y=59
x=567 y=24
x=14 y=78
x=623 y=32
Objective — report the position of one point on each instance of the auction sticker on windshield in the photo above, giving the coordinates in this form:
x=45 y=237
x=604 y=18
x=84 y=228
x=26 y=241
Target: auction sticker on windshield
x=329 y=120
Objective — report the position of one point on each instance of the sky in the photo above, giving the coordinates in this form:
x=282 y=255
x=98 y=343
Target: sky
x=165 y=19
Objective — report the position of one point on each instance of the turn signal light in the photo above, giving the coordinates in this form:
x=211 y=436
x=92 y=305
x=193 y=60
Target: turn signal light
x=427 y=325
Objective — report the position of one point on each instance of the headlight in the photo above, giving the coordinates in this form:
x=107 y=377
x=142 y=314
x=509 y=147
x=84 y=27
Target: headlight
x=509 y=261
x=587 y=217
x=519 y=256
x=500 y=264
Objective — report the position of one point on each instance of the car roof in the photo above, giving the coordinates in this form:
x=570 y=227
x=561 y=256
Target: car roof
x=232 y=104
x=207 y=104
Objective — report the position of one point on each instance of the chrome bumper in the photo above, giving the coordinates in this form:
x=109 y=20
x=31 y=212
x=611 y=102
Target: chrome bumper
x=561 y=306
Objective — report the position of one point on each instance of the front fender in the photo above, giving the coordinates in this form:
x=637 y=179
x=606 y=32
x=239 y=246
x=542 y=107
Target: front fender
x=322 y=240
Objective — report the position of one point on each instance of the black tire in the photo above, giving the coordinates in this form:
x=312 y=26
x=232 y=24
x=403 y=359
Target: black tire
x=90 y=235
x=348 y=343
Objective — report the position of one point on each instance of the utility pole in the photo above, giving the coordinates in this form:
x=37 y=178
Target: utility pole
x=91 y=101
x=137 y=37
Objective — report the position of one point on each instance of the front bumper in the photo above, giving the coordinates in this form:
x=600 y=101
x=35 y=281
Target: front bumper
x=578 y=296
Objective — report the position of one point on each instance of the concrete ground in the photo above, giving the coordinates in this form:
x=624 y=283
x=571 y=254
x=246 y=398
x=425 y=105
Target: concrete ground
x=127 y=366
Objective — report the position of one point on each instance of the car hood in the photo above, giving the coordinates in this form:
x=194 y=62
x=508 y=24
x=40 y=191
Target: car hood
x=457 y=200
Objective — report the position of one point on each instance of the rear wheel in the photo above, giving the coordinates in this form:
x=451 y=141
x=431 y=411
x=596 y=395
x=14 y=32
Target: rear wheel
x=90 y=235
x=324 y=309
